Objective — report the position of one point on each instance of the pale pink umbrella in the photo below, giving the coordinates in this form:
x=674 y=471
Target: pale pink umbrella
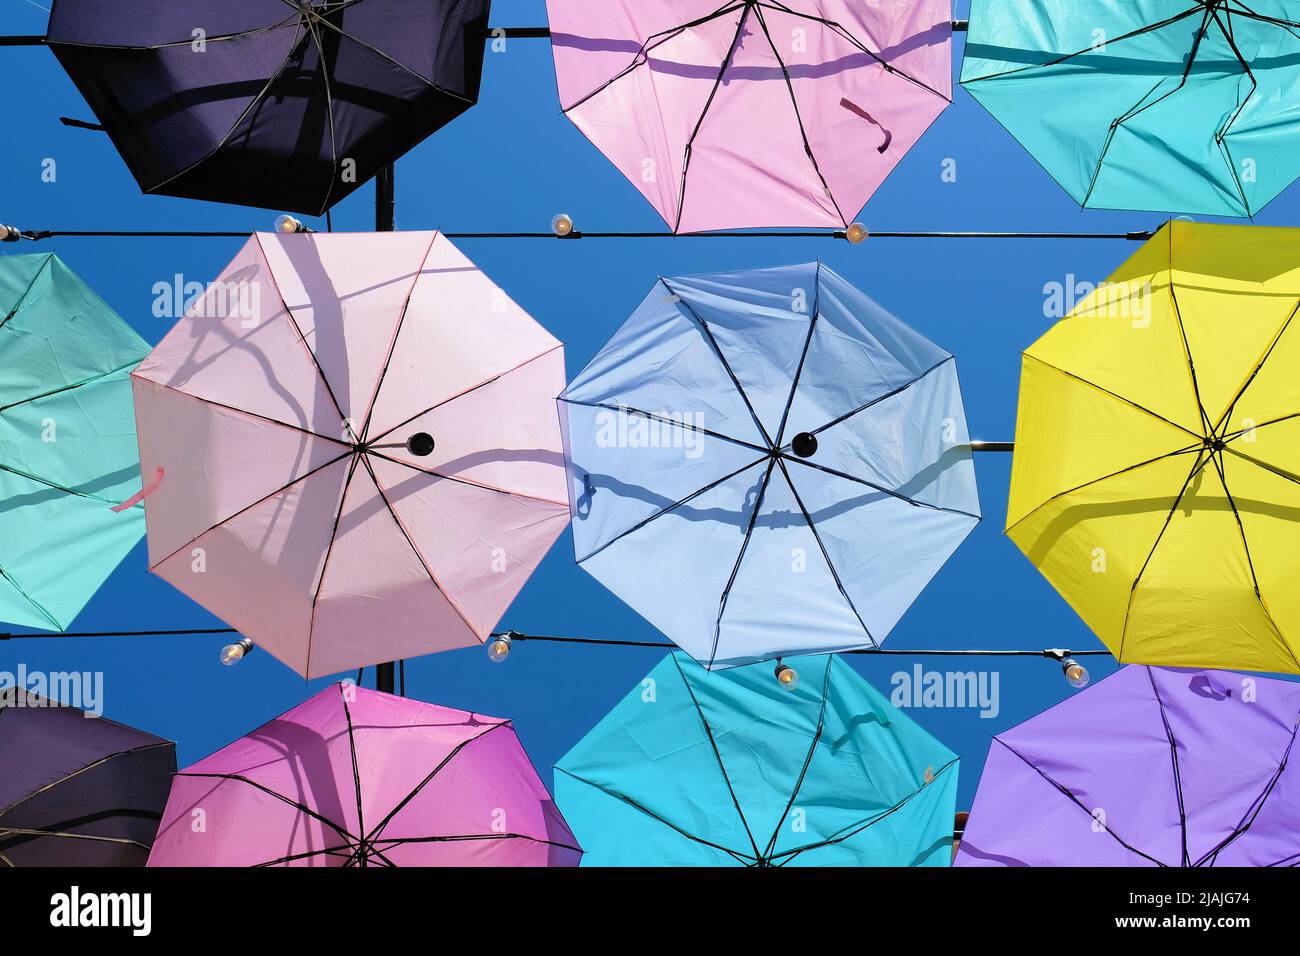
x=358 y=446
x=753 y=112
x=354 y=777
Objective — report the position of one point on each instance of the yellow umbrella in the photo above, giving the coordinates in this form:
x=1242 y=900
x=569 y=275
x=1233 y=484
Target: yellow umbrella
x=1156 y=479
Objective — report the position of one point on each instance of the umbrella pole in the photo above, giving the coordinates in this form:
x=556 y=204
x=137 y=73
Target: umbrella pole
x=385 y=221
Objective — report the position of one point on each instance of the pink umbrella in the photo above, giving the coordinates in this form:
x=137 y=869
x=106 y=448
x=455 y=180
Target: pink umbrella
x=356 y=448
x=354 y=777
x=751 y=113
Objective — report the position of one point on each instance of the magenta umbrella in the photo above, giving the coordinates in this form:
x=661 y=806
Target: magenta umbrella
x=753 y=112
x=352 y=447
x=354 y=777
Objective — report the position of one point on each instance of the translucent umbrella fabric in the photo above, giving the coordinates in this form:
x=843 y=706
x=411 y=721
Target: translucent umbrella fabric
x=360 y=452
x=68 y=451
x=1149 y=767
x=767 y=463
x=736 y=114
x=354 y=777
x=694 y=768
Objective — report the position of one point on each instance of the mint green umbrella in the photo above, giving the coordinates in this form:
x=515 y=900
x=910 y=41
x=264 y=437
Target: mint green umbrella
x=67 y=441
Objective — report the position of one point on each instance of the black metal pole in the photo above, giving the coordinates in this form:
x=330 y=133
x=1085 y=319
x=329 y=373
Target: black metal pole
x=385 y=221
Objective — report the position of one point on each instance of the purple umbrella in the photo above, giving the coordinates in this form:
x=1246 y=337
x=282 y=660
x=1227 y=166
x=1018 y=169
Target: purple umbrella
x=77 y=790
x=1150 y=767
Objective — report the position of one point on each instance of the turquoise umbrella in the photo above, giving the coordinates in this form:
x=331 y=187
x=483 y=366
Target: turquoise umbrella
x=67 y=442
x=1182 y=106
x=736 y=767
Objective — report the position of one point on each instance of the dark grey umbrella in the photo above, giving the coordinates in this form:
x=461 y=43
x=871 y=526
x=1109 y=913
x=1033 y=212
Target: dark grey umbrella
x=77 y=790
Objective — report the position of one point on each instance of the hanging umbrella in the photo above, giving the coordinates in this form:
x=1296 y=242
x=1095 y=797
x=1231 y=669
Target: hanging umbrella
x=1156 y=482
x=753 y=113
x=354 y=777
x=77 y=790
x=67 y=442
x=700 y=769
x=287 y=105
x=1171 y=105
x=1149 y=767
x=359 y=444
x=767 y=462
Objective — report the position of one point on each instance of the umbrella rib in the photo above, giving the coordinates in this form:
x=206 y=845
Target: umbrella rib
x=1177 y=772
x=129 y=48
x=713 y=744
x=392 y=842
x=356 y=771
x=1116 y=395
x=307 y=854
x=1069 y=794
x=252 y=105
x=1268 y=352
x=39 y=608
x=735 y=568
x=300 y=807
x=451 y=755
x=466 y=391
x=244 y=412
x=1252 y=813
x=1187 y=349
x=717 y=350
x=1139 y=106
x=392 y=345
x=880 y=398
x=856 y=828
x=690 y=143
x=663 y=36
x=1169 y=21
x=803 y=132
x=1220 y=136
x=329 y=107
x=433 y=473
x=676 y=504
x=807 y=762
x=1244 y=11
x=914 y=502
x=280 y=490
x=67 y=388
x=78 y=772
x=835 y=575
x=736 y=855
x=839 y=28
x=288 y=313
x=419 y=557
x=1241 y=528
x=6 y=833
x=664 y=420
x=803 y=356
x=55 y=485
x=1201 y=460
x=22 y=299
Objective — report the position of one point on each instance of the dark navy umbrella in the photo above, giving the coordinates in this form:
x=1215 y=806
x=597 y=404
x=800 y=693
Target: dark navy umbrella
x=284 y=104
x=77 y=790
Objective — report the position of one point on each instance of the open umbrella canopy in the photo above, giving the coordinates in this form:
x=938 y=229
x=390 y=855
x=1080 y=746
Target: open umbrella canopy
x=359 y=451
x=767 y=462
x=695 y=768
x=354 y=777
x=1170 y=105
x=1149 y=767
x=749 y=113
x=67 y=442
x=1156 y=480
x=285 y=104
x=77 y=789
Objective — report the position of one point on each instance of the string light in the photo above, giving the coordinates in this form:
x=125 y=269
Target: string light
x=562 y=225
x=1075 y=673
x=232 y=654
x=786 y=676
x=288 y=225
x=499 y=647
x=856 y=234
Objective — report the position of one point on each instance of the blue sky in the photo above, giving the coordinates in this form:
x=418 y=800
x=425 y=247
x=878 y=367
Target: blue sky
x=511 y=164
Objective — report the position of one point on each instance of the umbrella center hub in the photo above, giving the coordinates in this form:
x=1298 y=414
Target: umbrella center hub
x=1215 y=444
x=421 y=444
x=804 y=444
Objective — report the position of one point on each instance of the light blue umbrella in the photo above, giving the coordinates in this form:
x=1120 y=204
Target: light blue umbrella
x=1168 y=105
x=68 y=452
x=699 y=768
x=767 y=463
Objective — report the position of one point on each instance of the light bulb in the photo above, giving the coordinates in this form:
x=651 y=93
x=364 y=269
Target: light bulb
x=499 y=648
x=232 y=654
x=288 y=225
x=856 y=233
x=562 y=225
x=1075 y=673
x=787 y=677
